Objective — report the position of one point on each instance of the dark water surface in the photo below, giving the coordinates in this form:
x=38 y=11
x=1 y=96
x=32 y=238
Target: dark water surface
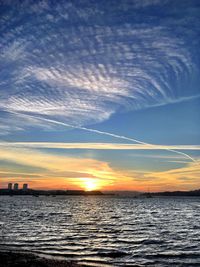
x=104 y=231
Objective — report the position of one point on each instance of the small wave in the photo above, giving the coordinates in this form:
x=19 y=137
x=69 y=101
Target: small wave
x=112 y=254
x=152 y=242
x=188 y=254
x=66 y=254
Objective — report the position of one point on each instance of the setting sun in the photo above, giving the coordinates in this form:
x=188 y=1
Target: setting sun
x=90 y=184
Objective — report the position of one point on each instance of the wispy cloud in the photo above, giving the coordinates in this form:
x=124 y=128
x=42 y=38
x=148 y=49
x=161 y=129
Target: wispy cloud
x=67 y=171
x=182 y=178
x=79 y=64
x=72 y=65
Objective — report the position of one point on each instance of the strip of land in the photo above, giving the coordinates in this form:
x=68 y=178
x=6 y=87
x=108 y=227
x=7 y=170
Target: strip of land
x=17 y=259
x=192 y=193
x=33 y=192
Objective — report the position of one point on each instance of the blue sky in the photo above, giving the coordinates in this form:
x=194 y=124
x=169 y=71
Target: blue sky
x=129 y=68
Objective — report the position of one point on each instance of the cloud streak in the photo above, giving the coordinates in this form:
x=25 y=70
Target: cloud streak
x=104 y=133
x=101 y=146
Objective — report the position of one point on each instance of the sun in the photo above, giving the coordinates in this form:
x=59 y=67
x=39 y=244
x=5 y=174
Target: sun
x=90 y=184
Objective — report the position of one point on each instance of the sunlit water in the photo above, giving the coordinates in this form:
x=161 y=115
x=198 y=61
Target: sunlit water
x=104 y=231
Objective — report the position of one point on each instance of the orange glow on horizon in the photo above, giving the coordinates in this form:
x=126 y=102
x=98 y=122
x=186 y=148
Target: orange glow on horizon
x=90 y=184
x=50 y=171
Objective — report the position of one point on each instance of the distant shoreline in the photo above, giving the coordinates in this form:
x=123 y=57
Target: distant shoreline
x=31 y=192
x=28 y=259
x=192 y=193
x=135 y=194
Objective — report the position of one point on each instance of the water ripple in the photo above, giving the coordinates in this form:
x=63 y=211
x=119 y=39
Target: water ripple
x=104 y=231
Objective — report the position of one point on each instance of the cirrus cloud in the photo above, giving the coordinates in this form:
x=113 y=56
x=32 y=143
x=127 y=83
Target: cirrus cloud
x=83 y=63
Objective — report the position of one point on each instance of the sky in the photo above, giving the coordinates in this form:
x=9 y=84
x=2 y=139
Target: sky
x=100 y=95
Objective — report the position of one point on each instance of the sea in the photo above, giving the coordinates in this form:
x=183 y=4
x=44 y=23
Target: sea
x=104 y=230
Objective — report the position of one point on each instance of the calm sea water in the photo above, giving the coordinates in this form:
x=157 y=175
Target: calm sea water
x=104 y=231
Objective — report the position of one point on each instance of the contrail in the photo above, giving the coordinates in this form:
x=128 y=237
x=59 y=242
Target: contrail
x=100 y=132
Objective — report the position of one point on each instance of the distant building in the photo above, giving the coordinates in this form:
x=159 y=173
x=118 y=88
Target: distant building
x=16 y=186
x=10 y=186
x=25 y=187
